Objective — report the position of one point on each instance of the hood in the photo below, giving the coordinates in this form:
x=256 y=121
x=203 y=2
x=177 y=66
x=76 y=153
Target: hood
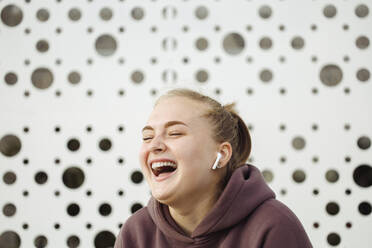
x=244 y=192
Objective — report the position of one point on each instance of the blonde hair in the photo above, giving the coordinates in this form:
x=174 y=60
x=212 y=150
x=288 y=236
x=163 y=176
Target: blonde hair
x=228 y=126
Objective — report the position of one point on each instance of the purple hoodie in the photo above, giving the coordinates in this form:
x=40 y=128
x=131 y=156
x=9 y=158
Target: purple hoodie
x=245 y=215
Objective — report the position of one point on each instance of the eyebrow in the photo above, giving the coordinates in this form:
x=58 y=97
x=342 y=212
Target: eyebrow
x=168 y=124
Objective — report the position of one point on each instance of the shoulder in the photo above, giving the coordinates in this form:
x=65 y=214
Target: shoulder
x=281 y=225
x=137 y=224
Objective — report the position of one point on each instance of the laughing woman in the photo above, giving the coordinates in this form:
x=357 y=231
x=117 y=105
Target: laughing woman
x=203 y=194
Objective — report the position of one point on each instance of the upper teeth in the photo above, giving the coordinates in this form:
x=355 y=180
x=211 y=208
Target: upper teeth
x=160 y=164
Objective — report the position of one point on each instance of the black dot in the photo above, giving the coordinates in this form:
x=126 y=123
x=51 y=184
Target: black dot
x=333 y=239
x=9 y=177
x=73 y=144
x=137 y=177
x=105 y=144
x=135 y=207
x=332 y=208
x=364 y=208
x=73 y=241
x=104 y=239
x=41 y=177
x=9 y=209
x=364 y=142
x=10 y=145
x=73 y=209
x=73 y=177
x=362 y=175
x=105 y=209
x=10 y=239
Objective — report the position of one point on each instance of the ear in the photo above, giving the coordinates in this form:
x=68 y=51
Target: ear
x=225 y=149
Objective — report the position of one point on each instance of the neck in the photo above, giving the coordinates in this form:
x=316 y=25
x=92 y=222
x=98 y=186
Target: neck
x=190 y=213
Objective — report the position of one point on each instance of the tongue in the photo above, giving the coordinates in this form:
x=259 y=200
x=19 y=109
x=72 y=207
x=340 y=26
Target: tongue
x=164 y=169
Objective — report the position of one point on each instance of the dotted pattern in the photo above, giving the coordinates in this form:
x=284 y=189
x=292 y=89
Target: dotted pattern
x=78 y=78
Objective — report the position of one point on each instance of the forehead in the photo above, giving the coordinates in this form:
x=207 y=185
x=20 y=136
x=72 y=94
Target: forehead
x=177 y=108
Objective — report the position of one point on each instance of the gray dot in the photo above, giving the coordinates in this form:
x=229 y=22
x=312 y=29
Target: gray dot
x=9 y=177
x=201 y=12
x=42 y=46
x=299 y=176
x=265 y=11
x=137 y=13
x=268 y=175
x=10 y=78
x=137 y=77
x=40 y=241
x=330 y=75
x=9 y=209
x=42 y=78
x=106 y=45
x=42 y=15
x=362 y=42
x=201 y=44
x=332 y=176
x=266 y=75
x=298 y=143
x=11 y=15
x=10 y=239
x=361 y=10
x=364 y=142
x=73 y=241
x=329 y=11
x=105 y=14
x=74 y=14
x=266 y=43
x=363 y=75
x=297 y=43
x=233 y=43
x=10 y=145
x=73 y=177
x=74 y=77
x=202 y=76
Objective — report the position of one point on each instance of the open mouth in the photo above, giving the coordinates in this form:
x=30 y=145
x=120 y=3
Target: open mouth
x=163 y=167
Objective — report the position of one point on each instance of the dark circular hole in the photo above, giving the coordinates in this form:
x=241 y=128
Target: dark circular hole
x=332 y=208
x=329 y=11
x=73 y=177
x=10 y=239
x=265 y=11
x=11 y=78
x=57 y=226
x=298 y=143
x=332 y=176
x=297 y=43
x=330 y=75
x=73 y=241
x=233 y=43
x=105 y=14
x=10 y=145
x=73 y=144
x=74 y=14
x=363 y=75
x=333 y=239
x=73 y=209
x=348 y=225
x=315 y=191
x=25 y=226
x=137 y=77
x=299 y=176
x=42 y=15
x=9 y=209
x=364 y=142
x=137 y=177
x=361 y=10
x=9 y=177
x=40 y=241
x=362 y=42
x=106 y=45
x=41 y=177
x=202 y=76
x=105 y=144
x=11 y=15
x=42 y=46
x=105 y=209
x=42 y=78
x=362 y=175
x=135 y=207
x=74 y=77
x=265 y=43
x=104 y=239
x=364 y=208
x=137 y=13
x=201 y=12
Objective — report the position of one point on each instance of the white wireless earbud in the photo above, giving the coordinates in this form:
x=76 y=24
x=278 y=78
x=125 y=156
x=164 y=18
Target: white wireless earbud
x=215 y=165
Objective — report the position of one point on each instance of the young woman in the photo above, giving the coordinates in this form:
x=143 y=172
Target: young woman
x=203 y=194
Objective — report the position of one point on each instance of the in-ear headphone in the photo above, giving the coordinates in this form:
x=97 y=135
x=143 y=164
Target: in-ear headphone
x=215 y=165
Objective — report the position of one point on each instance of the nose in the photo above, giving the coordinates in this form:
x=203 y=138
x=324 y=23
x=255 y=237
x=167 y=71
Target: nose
x=157 y=145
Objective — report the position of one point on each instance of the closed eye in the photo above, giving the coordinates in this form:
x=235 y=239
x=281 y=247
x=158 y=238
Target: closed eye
x=146 y=138
x=175 y=134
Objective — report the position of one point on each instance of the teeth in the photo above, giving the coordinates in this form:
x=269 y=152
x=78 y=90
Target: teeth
x=161 y=164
